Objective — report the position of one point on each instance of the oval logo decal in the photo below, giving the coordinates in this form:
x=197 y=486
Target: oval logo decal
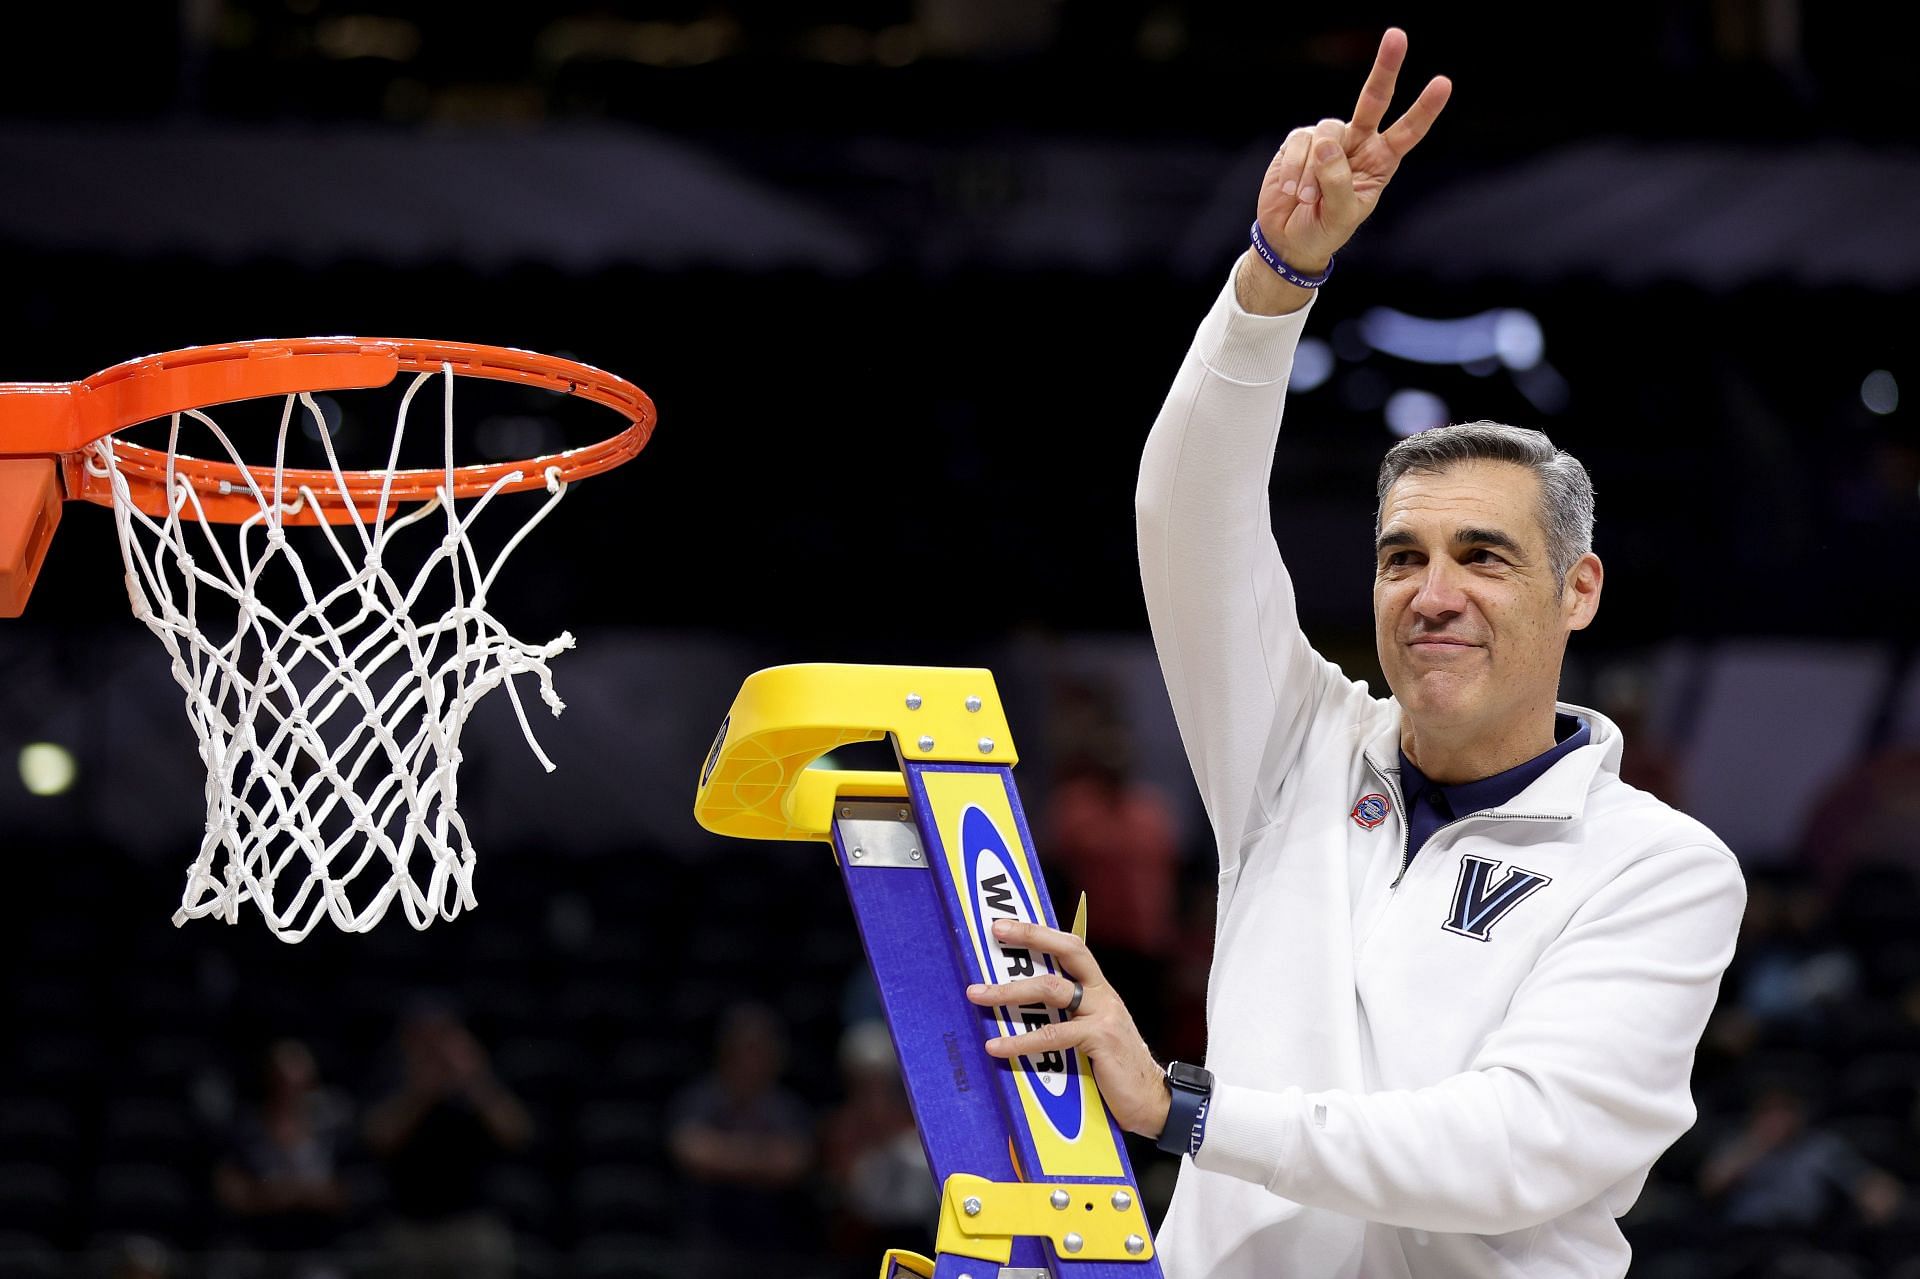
x=994 y=890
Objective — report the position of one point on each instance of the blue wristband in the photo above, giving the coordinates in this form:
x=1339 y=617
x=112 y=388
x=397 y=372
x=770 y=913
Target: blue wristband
x=1281 y=269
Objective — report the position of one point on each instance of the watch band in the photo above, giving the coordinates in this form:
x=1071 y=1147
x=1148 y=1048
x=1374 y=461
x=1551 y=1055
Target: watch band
x=1191 y=1090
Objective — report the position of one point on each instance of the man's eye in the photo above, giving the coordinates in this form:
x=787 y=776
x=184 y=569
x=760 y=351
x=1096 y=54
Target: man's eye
x=1491 y=557
x=1397 y=559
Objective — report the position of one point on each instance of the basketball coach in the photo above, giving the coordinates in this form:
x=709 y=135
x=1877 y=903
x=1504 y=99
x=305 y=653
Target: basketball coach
x=1460 y=968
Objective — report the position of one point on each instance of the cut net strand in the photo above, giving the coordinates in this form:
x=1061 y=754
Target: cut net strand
x=329 y=727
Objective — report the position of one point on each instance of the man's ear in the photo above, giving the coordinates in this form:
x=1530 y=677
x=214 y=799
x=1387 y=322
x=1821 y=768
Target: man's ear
x=1580 y=598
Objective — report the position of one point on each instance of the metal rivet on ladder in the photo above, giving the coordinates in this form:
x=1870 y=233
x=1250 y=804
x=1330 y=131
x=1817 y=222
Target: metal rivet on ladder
x=913 y=854
x=926 y=743
x=1122 y=1201
x=1059 y=1199
x=913 y=701
x=973 y=703
x=846 y=812
x=1135 y=1245
x=986 y=746
x=1073 y=1243
x=858 y=853
x=970 y=1206
x=904 y=814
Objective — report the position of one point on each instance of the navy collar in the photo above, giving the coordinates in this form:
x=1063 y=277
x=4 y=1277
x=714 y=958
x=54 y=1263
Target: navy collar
x=1569 y=732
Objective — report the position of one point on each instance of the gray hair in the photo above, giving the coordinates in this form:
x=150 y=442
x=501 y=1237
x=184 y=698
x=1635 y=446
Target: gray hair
x=1566 y=492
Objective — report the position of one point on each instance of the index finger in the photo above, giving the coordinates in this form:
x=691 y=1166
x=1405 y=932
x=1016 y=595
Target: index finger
x=1377 y=93
x=1072 y=954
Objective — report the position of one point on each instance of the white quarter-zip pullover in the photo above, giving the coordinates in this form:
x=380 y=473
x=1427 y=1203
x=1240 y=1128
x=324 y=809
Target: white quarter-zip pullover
x=1462 y=1065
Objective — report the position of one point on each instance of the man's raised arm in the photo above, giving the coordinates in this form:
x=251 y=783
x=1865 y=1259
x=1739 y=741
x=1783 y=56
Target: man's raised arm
x=1243 y=680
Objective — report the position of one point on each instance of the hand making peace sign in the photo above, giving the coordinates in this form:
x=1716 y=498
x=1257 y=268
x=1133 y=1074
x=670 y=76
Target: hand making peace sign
x=1326 y=180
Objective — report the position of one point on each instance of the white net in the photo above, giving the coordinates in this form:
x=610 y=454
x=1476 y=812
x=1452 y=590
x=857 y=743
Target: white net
x=329 y=698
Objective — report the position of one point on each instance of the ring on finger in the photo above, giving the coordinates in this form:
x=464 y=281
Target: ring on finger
x=1073 y=1005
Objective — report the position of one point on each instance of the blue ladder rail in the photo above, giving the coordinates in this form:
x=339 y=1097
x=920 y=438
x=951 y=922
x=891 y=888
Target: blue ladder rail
x=1033 y=1169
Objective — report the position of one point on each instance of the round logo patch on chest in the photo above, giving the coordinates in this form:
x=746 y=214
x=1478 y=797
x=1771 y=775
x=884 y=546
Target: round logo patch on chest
x=1370 y=811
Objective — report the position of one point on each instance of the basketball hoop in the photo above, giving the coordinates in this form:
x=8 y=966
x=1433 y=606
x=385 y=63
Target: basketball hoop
x=329 y=717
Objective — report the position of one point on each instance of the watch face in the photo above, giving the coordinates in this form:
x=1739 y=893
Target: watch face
x=1190 y=1077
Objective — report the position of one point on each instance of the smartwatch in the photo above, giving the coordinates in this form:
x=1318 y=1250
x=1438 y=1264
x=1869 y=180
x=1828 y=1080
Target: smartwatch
x=1192 y=1089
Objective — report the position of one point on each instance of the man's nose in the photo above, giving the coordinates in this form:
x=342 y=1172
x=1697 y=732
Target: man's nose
x=1440 y=593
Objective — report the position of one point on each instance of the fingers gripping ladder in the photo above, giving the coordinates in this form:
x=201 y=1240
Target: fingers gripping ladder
x=1034 y=1177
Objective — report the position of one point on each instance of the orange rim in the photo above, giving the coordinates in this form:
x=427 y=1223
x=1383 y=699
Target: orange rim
x=63 y=418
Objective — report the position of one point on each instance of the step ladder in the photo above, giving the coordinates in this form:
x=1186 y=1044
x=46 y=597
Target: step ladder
x=1034 y=1177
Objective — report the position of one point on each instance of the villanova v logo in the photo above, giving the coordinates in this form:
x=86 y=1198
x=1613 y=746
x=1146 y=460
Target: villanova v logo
x=1476 y=907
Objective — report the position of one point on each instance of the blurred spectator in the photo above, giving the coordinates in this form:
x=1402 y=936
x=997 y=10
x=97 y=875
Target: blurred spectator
x=439 y=1134
x=280 y=1171
x=860 y=997
x=876 y=1170
x=1114 y=836
x=1624 y=694
x=742 y=1140
x=1779 y=1171
x=1868 y=816
x=1792 y=973
x=139 y=1257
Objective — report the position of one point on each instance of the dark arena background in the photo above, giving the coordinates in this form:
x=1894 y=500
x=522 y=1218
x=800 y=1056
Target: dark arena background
x=908 y=281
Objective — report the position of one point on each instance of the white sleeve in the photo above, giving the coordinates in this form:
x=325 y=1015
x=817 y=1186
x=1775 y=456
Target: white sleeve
x=1580 y=1089
x=1242 y=678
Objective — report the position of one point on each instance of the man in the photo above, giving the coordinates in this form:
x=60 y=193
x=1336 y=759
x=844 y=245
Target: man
x=439 y=1134
x=1460 y=967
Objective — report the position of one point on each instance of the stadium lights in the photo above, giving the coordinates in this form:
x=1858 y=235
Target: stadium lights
x=1880 y=392
x=1312 y=365
x=1544 y=388
x=1509 y=335
x=46 y=768
x=1410 y=412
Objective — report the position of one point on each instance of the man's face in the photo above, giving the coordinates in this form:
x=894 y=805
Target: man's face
x=1470 y=622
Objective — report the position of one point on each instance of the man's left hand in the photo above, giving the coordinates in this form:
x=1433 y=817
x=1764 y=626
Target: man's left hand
x=1133 y=1084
